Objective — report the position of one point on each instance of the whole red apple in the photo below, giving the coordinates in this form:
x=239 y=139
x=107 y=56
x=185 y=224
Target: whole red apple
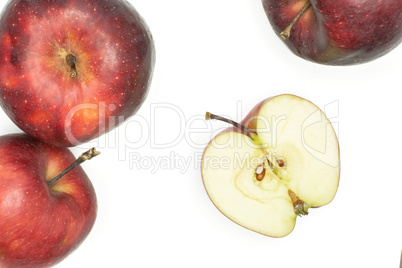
x=41 y=225
x=72 y=70
x=340 y=32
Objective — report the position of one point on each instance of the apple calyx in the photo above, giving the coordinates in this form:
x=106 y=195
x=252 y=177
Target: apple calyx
x=300 y=207
x=71 y=60
x=88 y=155
x=285 y=34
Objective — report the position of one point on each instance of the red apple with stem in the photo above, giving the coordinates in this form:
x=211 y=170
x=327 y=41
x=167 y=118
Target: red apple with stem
x=47 y=203
x=340 y=32
x=72 y=70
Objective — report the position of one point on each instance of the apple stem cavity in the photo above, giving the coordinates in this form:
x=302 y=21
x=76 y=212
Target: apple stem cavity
x=71 y=60
x=285 y=34
x=300 y=207
x=88 y=155
x=251 y=134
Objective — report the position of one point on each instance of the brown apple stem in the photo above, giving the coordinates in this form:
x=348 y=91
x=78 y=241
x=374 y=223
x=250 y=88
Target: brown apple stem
x=247 y=131
x=88 y=155
x=285 y=34
x=71 y=60
x=299 y=205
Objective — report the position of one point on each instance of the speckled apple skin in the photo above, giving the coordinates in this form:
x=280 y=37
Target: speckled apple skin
x=40 y=226
x=341 y=32
x=115 y=57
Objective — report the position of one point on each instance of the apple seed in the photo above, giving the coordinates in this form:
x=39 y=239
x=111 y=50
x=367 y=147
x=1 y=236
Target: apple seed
x=280 y=162
x=260 y=173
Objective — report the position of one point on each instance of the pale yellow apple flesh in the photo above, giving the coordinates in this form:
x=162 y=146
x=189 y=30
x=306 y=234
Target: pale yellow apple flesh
x=263 y=182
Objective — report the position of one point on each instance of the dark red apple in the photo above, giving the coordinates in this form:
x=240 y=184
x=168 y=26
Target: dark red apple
x=72 y=70
x=41 y=224
x=340 y=32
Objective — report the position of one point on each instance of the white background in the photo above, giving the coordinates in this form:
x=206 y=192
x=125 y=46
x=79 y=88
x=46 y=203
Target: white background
x=222 y=56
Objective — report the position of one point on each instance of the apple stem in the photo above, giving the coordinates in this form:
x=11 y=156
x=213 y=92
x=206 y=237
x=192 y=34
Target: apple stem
x=71 y=60
x=247 y=131
x=285 y=34
x=88 y=155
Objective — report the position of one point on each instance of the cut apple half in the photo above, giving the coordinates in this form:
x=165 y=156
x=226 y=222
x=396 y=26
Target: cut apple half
x=282 y=159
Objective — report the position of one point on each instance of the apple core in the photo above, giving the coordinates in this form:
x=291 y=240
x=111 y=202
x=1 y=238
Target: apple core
x=277 y=170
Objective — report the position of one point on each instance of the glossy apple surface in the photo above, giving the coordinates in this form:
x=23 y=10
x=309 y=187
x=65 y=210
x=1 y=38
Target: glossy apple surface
x=39 y=226
x=289 y=163
x=340 y=32
x=72 y=70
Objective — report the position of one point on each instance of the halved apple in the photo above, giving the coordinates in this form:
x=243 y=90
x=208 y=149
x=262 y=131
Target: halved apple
x=282 y=159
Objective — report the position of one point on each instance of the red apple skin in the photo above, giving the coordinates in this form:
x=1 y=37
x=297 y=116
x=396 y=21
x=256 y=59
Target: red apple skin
x=341 y=32
x=114 y=54
x=39 y=225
